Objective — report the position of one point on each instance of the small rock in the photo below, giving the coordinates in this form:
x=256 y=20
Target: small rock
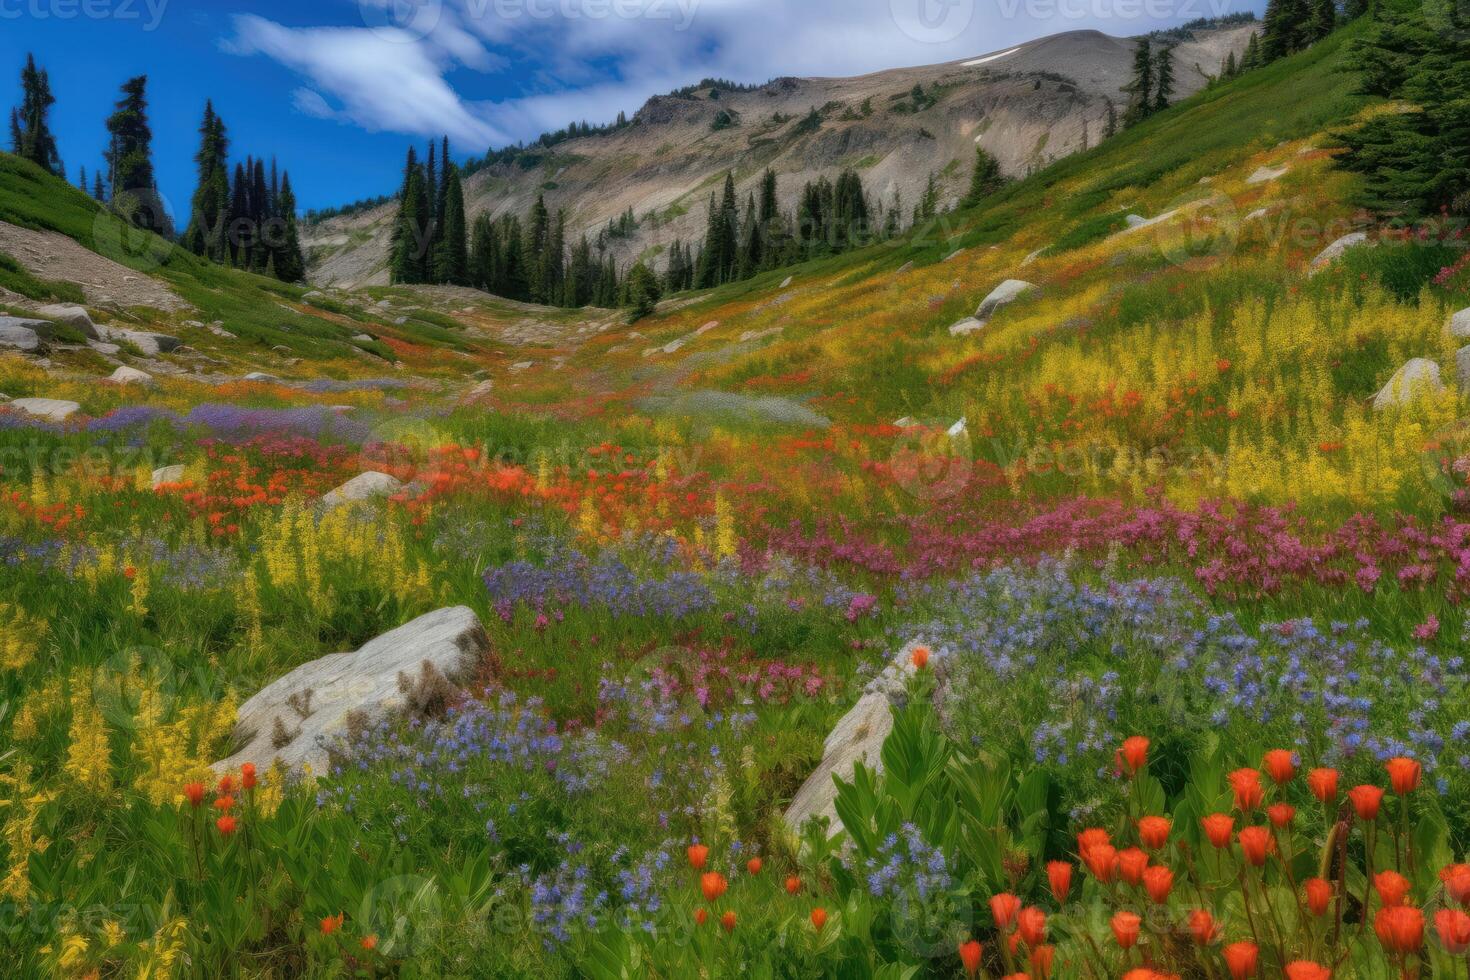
x=312 y=294
x=1003 y=295
x=522 y=366
x=400 y=321
x=1462 y=368
x=957 y=252
x=904 y=423
x=151 y=344
x=125 y=375
x=364 y=486
x=1034 y=256
x=364 y=338
x=168 y=474
x=1135 y=220
x=299 y=718
x=479 y=391
x=1256 y=215
x=787 y=281
x=50 y=409
x=960 y=428
x=72 y=316
x=1415 y=379
x=1334 y=251
x=383 y=304
x=966 y=326
x=261 y=376
x=1264 y=174
x=220 y=331
x=906 y=267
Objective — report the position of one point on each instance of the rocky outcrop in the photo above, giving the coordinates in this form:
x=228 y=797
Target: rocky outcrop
x=1003 y=295
x=857 y=737
x=73 y=316
x=1334 y=251
x=1415 y=379
x=168 y=474
x=50 y=409
x=364 y=486
x=151 y=344
x=21 y=335
x=1265 y=174
x=300 y=718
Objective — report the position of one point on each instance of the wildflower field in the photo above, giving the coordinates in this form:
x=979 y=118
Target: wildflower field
x=1168 y=612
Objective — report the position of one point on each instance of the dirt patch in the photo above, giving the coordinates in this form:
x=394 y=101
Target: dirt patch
x=50 y=255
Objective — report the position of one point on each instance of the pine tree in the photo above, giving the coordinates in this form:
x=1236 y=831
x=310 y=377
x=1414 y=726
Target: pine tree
x=408 y=248
x=99 y=192
x=452 y=260
x=729 y=230
x=134 y=193
x=484 y=253
x=1229 y=69
x=260 y=216
x=1324 y=19
x=641 y=292
x=538 y=241
x=289 y=265
x=30 y=130
x=1141 y=88
x=238 y=231
x=82 y=178
x=749 y=262
x=210 y=206
x=1252 y=57
x=1285 y=28
x=1163 y=78
x=986 y=178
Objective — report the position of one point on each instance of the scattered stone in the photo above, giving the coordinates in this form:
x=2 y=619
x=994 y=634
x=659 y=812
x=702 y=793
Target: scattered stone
x=168 y=474
x=1257 y=214
x=857 y=737
x=1334 y=251
x=193 y=324
x=1003 y=295
x=904 y=423
x=312 y=294
x=261 y=376
x=20 y=334
x=479 y=391
x=72 y=316
x=400 y=321
x=364 y=338
x=787 y=281
x=1034 y=256
x=299 y=718
x=760 y=334
x=104 y=348
x=219 y=331
x=953 y=254
x=1462 y=368
x=522 y=366
x=1415 y=379
x=1264 y=174
x=1460 y=324
x=966 y=326
x=383 y=304
x=364 y=486
x=906 y=267
x=706 y=328
x=151 y=344
x=960 y=428
x=50 y=409
x=1135 y=220
x=125 y=375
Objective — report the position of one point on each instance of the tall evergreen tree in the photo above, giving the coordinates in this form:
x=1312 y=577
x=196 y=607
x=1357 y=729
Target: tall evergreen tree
x=1230 y=68
x=484 y=254
x=1324 y=19
x=30 y=130
x=1163 y=78
x=538 y=241
x=210 y=206
x=1285 y=28
x=1251 y=57
x=986 y=178
x=134 y=194
x=289 y=264
x=410 y=227
x=1141 y=88
x=99 y=192
x=452 y=263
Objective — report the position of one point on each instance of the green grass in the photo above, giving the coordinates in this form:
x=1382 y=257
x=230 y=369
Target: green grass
x=14 y=277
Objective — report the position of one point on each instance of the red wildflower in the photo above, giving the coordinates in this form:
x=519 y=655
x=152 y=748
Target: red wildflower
x=1392 y=887
x=1218 y=827
x=793 y=885
x=227 y=825
x=1041 y=961
x=1133 y=754
x=332 y=923
x=1403 y=775
x=1453 y=927
x=1323 y=784
x=369 y=943
x=247 y=775
x=970 y=957
x=713 y=885
x=727 y=921
x=1059 y=875
x=753 y=866
x=1158 y=881
x=1255 y=844
x=1366 y=800
x=1307 y=970
x=224 y=803
x=1456 y=878
x=1400 y=928
x=1319 y=895
x=1280 y=766
x=194 y=793
x=1031 y=924
x=1281 y=815
x=1102 y=861
x=698 y=855
x=1003 y=908
x=819 y=918
x=1131 y=864
x=1202 y=927
x=1125 y=929
x=920 y=657
x=1154 y=832
x=700 y=916
x=1241 y=959
x=1246 y=784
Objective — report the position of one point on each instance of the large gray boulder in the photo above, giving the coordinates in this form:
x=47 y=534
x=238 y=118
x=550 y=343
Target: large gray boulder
x=364 y=486
x=300 y=718
x=50 y=409
x=151 y=344
x=72 y=316
x=858 y=737
x=1003 y=295
x=966 y=326
x=1460 y=324
x=168 y=474
x=21 y=335
x=1415 y=379
x=1334 y=251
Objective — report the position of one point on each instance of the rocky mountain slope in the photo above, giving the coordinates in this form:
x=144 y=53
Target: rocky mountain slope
x=1028 y=105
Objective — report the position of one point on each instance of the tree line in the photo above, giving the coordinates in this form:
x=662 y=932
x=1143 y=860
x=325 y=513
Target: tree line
x=249 y=223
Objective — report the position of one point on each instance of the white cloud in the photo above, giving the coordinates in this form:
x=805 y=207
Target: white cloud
x=588 y=59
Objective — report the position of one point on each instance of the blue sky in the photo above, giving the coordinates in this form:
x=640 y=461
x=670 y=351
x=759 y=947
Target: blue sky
x=336 y=89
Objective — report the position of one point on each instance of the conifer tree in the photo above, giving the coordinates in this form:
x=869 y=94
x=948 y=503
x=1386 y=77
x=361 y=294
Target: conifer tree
x=1285 y=28
x=134 y=194
x=729 y=230
x=484 y=254
x=1251 y=58
x=1324 y=19
x=288 y=264
x=1230 y=68
x=82 y=178
x=986 y=178
x=1163 y=78
x=260 y=217
x=538 y=240
x=1141 y=88
x=406 y=262
x=210 y=206
x=99 y=192
x=30 y=130
x=452 y=261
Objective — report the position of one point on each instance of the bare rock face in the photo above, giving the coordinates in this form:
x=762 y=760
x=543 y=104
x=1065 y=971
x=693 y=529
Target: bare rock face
x=364 y=486
x=297 y=718
x=858 y=737
x=151 y=344
x=50 y=409
x=1264 y=175
x=1003 y=295
x=72 y=316
x=21 y=335
x=1334 y=251
x=1415 y=379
